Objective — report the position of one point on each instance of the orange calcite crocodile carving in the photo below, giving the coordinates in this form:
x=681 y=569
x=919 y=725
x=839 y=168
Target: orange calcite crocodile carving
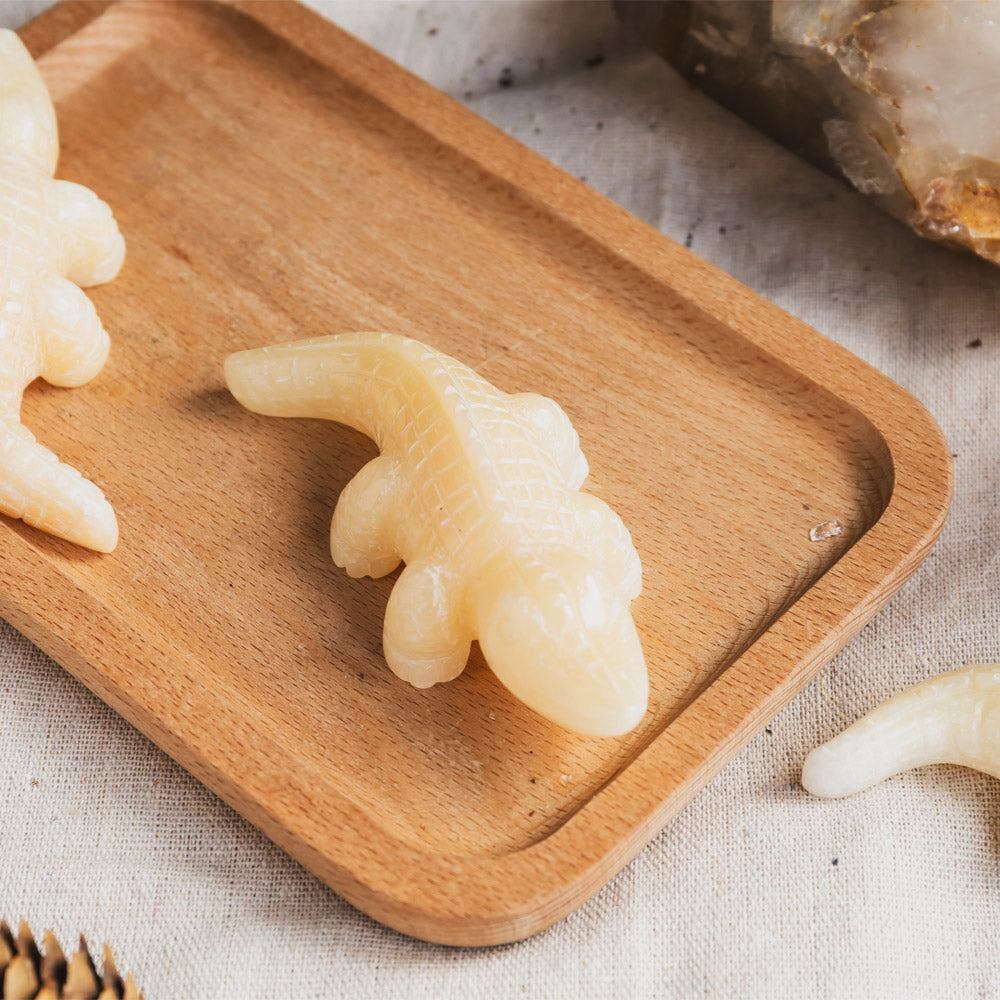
x=477 y=491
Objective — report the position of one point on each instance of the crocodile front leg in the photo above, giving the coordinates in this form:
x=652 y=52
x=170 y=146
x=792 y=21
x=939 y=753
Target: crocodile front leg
x=548 y=425
x=426 y=637
x=602 y=534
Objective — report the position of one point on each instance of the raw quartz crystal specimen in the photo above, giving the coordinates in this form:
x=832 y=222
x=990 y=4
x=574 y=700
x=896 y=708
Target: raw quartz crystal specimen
x=901 y=98
x=55 y=236
x=478 y=492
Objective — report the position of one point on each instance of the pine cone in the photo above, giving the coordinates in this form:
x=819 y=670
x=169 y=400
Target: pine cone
x=29 y=974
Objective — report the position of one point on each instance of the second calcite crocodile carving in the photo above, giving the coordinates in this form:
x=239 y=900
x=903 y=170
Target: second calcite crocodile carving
x=55 y=235
x=477 y=491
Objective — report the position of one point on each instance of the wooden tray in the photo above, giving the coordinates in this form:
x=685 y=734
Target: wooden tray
x=276 y=179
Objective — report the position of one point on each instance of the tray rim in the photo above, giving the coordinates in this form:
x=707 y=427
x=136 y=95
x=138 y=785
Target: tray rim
x=464 y=900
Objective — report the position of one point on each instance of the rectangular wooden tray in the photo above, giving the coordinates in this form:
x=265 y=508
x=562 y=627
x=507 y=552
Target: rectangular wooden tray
x=276 y=179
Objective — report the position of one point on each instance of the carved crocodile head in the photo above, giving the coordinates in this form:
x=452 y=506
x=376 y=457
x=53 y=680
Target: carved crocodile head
x=561 y=638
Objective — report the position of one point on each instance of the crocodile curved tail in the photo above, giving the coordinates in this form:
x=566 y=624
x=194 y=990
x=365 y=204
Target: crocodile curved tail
x=326 y=377
x=48 y=494
x=950 y=719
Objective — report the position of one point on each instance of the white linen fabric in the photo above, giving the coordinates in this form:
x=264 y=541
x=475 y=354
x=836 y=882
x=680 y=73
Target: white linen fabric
x=756 y=889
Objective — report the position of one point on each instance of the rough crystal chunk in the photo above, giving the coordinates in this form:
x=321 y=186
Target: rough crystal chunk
x=900 y=98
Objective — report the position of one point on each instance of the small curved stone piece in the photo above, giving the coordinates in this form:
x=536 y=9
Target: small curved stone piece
x=55 y=236
x=950 y=719
x=477 y=492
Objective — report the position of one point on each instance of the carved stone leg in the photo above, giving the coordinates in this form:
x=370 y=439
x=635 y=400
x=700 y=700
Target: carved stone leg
x=603 y=536
x=550 y=426
x=362 y=536
x=93 y=249
x=425 y=638
x=74 y=344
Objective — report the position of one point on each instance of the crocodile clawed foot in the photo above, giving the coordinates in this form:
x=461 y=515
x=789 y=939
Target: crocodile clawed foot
x=425 y=639
x=364 y=521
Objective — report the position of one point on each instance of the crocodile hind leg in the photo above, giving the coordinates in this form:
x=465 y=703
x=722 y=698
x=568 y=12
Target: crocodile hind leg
x=362 y=535
x=75 y=345
x=601 y=534
x=425 y=638
x=42 y=491
x=551 y=428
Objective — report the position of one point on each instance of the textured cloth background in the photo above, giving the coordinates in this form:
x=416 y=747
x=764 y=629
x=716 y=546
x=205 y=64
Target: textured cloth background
x=756 y=889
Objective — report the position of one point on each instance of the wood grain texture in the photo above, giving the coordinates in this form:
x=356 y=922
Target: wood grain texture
x=275 y=179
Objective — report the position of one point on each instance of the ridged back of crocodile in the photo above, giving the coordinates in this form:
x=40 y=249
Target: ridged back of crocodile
x=482 y=487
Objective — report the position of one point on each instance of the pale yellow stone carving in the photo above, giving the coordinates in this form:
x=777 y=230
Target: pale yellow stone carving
x=477 y=491
x=54 y=236
x=950 y=719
